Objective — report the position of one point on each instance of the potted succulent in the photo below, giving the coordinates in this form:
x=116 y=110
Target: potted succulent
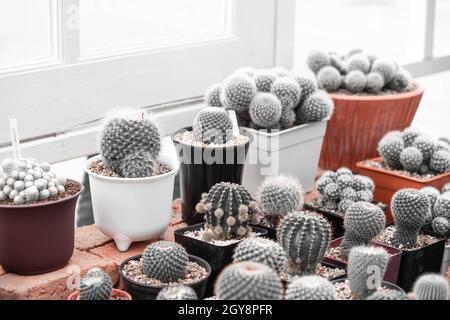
x=421 y=253
x=337 y=192
x=310 y=288
x=178 y=292
x=366 y=267
x=163 y=264
x=37 y=217
x=371 y=96
x=227 y=209
x=286 y=115
x=362 y=222
x=132 y=179
x=98 y=285
x=209 y=152
x=304 y=236
x=431 y=287
x=409 y=159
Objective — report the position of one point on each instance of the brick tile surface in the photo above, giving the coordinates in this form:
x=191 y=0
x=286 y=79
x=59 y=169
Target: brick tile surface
x=53 y=285
x=176 y=212
x=109 y=251
x=89 y=237
x=169 y=235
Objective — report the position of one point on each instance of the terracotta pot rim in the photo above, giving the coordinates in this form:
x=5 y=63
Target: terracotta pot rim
x=285 y=131
x=418 y=90
x=125 y=180
x=74 y=295
x=44 y=204
x=204 y=264
x=388 y=172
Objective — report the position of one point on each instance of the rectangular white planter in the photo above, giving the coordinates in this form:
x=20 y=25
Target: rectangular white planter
x=445 y=260
x=294 y=152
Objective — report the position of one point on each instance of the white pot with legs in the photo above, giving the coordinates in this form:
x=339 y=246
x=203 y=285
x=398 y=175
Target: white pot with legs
x=134 y=209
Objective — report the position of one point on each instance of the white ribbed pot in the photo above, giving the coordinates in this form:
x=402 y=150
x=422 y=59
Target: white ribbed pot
x=134 y=209
x=293 y=152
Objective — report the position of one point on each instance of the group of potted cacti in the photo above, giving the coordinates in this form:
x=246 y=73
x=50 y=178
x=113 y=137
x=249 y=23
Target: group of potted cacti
x=245 y=164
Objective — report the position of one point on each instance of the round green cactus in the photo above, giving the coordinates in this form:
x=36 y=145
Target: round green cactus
x=411 y=159
x=316 y=60
x=374 y=82
x=440 y=161
x=238 y=91
x=212 y=125
x=358 y=61
x=179 y=292
x=385 y=68
x=329 y=78
x=288 y=91
x=212 y=96
x=95 y=285
x=265 y=110
x=316 y=107
x=138 y=165
x=310 y=288
x=355 y=81
x=264 y=80
x=431 y=287
x=390 y=147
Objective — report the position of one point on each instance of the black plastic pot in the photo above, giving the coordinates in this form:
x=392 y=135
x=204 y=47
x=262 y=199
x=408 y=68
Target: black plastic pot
x=201 y=168
x=139 y=291
x=417 y=262
x=336 y=219
x=217 y=256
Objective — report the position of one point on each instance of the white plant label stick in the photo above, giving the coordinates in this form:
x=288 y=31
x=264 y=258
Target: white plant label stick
x=233 y=119
x=15 y=138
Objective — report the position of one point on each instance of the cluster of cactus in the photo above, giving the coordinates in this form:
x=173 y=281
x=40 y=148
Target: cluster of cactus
x=26 y=181
x=165 y=261
x=365 y=271
x=130 y=143
x=228 y=208
x=439 y=213
x=412 y=151
x=304 y=238
x=248 y=281
x=431 y=287
x=261 y=250
x=357 y=72
x=212 y=125
x=95 y=285
x=270 y=98
x=310 y=287
x=362 y=222
x=339 y=190
x=410 y=208
x=179 y=292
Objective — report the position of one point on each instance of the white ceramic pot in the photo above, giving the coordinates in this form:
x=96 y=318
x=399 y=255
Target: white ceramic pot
x=134 y=209
x=294 y=152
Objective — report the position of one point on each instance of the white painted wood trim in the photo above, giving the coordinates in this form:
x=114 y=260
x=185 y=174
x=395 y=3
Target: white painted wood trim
x=285 y=33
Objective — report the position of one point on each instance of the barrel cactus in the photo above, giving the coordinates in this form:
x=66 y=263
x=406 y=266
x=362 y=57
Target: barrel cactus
x=304 y=238
x=228 y=208
x=95 y=285
x=165 y=261
x=138 y=164
x=126 y=132
x=329 y=78
x=288 y=91
x=390 y=147
x=212 y=125
x=261 y=250
x=248 y=281
x=310 y=288
x=409 y=209
x=431 y=287
x=238 y=91
x=179 y=292
x=316 y=107
x=265 y=110
x=411 y=159
x=362 y=222
x=212 y=96
x=365 y=271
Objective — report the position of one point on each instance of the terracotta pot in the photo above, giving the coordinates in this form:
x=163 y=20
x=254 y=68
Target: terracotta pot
x=116 y=293
x=388 y=182
x=359 y=122
x=37 y=238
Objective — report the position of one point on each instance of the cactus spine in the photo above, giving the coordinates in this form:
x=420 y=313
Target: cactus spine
x=95 y=285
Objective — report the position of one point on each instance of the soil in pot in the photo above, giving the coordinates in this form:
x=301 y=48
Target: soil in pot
x=100 y=168
x=116 y=295
x=202 y=166
x=344 y=292
x=426 y=257
x=142 y=287
x=326 y=270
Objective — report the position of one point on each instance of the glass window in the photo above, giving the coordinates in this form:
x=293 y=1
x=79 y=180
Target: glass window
x=389 y=28
x=442 y=28
x=108 y=25
x=25 y=32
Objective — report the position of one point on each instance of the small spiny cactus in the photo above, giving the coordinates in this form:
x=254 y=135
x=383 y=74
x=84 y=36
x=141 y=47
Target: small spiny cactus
x=431 y=287
x=265 y=110
x=237 y=92
x=212 y=125
x=316 y=107
x=317 y=60
x=329 y=78
x=179 y=292
x=95 y=285
x=310 y=288
x=212 y=96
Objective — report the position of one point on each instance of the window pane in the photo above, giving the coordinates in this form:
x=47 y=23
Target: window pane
x=442 y=29
x=389 y=28
x=126 y=24
x=25 y=32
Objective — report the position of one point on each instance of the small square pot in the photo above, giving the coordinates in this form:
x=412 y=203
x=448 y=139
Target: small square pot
x=388 y=182
x=394 y=261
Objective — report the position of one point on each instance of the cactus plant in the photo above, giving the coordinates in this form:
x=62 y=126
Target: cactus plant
x=390 y=147
x=411 y=159
x=248 y=281
x=310 y=288
x=317 y=59
x=441 y=226
x=400 y=81
x=385 y=68
x=212 y=125
x=265 y=110
x=280 y=195
x=137 y=165
x=304 y=239
x=165 y=261
x=440 y=161
x=329 y=78
x=374 y=82
x=288 y=118
x=228 y=208
x=362 y=222
x=307 y=87
x=316 y=107
x=288 y=91
x=238 y=91
x=95 y=285
x=425 y=145
x=127 y=132
x=261 y=250
x=432 y=194
x=365 y=271
x=355 y=81
x=180 y=292
x=359 y=62
x=264 y=80
x=431 y=287
x=212 y=95
x=388 y=295
x=409 y=209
